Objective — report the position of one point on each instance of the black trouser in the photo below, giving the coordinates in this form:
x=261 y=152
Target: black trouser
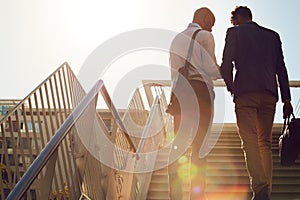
x=198 y=167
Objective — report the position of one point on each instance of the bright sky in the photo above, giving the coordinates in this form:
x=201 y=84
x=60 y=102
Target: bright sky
x=37 y=36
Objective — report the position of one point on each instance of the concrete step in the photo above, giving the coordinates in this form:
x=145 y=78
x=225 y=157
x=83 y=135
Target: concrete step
x=227 y=176
x=285 y=196
x=159 y=195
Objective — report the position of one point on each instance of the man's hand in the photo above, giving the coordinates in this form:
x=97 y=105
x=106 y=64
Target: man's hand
x=287 y=109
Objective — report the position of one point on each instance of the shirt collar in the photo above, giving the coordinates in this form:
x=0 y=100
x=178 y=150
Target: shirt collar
x=194 y=25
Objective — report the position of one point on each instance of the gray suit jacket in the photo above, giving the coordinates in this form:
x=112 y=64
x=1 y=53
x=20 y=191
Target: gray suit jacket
x=256 y=54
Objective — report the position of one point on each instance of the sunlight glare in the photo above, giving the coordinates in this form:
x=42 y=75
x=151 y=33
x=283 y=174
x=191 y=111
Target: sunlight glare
x=96 y=20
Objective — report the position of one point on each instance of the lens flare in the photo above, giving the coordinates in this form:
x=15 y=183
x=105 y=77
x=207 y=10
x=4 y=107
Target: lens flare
x=229 y=193
x=182 y=160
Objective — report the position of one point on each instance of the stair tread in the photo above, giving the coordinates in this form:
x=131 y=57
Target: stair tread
x=226 y=168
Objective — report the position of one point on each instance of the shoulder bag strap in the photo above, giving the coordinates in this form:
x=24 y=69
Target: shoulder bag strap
x=189 y=55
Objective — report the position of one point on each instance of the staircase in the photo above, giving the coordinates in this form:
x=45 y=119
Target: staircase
x=227 y=177
x=159 y=185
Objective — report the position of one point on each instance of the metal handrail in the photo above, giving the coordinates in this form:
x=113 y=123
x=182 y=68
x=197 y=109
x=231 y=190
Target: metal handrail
x=35 y=168
x=167 y=83
x=117 y=117
x=147 y=127
x=217 y=83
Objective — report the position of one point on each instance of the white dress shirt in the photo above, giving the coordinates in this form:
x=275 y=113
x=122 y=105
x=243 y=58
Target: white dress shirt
x=202 y=58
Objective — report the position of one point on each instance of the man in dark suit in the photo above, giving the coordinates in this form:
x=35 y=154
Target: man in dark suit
x=255 y=53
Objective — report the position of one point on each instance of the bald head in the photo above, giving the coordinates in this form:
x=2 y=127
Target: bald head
x=205 y=18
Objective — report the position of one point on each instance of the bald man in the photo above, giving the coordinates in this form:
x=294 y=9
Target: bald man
x=202 y=71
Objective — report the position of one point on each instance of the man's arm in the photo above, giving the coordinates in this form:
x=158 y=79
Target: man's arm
x=208 y=44
x=229 y=55
x=283 y=80
x=282 y=73
x=208 y=56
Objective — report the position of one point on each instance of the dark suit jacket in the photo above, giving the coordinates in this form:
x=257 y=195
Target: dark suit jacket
x=256 y=54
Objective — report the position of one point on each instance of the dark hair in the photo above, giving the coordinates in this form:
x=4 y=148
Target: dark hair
x=244 y=11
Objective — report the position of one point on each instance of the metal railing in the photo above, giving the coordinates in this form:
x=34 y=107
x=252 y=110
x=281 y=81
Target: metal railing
x=152 y=86
x=26 y=129
x=147 y=131
x=58 y=156
x=49 y=153
x=43 y=153
x=130 y=179
x=51 y=149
